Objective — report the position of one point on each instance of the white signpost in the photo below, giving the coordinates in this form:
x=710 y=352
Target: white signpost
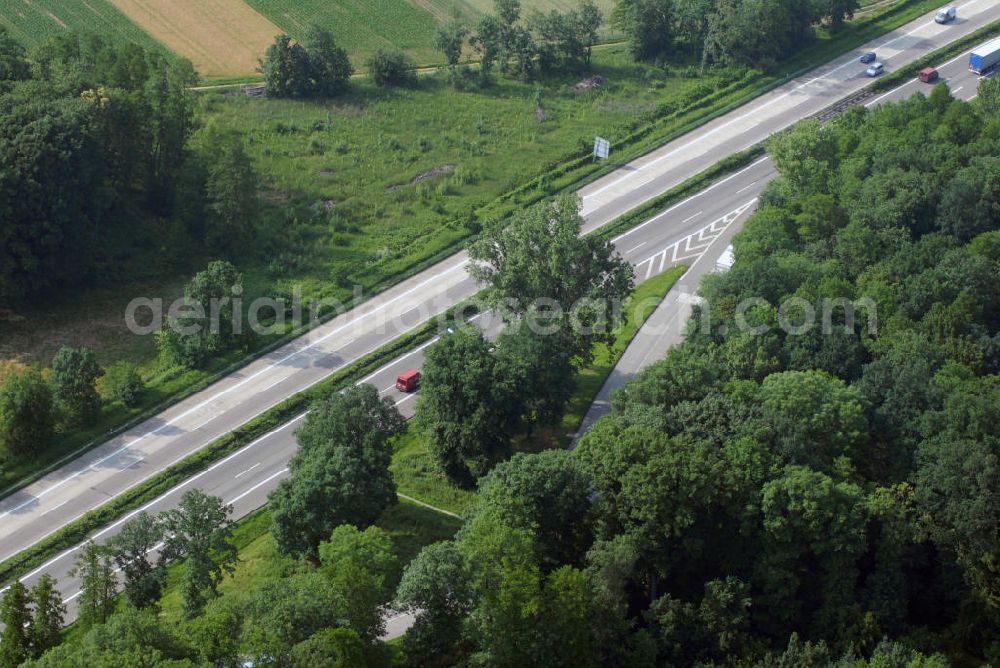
x=602 y=147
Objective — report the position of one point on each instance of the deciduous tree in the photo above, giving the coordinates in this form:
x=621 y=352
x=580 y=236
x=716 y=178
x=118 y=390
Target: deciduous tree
x=131 y=548
x=340 y=474
x=467 y=408
x=26 y=420
x=329 y=65
x=74 y=374
x=537 y=264
x=362 y=566
x=200 y=530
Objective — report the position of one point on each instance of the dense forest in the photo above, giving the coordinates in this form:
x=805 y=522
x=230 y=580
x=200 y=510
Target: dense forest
x=98 y=181
x=769 y=494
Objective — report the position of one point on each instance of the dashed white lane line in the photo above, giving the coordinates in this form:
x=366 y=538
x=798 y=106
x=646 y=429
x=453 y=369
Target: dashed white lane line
x=55 y=507
x=692 y=197
x=703 y=136
x=235 y=500
x=159 y=499
x=690 y=218
x=244 y=472
x=632 y=250
x=291 y=355
x=406 y=398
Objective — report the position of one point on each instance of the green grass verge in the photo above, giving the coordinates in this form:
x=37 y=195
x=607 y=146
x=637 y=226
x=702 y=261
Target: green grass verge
x=409 y=526
x=77 y=531
x=423 y=224
x=413 y=465
x=644 y=300
x=908 y=72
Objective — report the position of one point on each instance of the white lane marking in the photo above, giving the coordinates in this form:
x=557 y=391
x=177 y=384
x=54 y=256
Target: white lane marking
x=242 y=473
x=184 y=456
x=159 y=499
x=56 y=507
x=885 y=95
x=702 y=137
x=253 y=489
x=295 y=353
x=685 y=201
x=693 y=245
x=690 y=218
x=973 y=97
x=236 y=499
x=747 y=187
x=900 y=87
x=205 y=422
x=957 y=89
x=632 y=250
x=406 y=398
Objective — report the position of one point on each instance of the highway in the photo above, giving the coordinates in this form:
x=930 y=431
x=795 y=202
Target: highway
x=665 y=327
x=245 y=477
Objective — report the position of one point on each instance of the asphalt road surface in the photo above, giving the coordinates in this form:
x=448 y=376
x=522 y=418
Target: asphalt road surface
x=244 y=478
x=665 y=327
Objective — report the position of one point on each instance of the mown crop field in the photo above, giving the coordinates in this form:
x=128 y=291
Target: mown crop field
x=31 y=22
x=226 y=38
x=223 y=38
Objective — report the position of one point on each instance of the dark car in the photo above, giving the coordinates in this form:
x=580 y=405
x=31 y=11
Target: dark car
x=868 y=57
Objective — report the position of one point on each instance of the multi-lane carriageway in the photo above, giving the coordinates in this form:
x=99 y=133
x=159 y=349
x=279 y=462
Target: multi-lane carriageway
x=688 y=231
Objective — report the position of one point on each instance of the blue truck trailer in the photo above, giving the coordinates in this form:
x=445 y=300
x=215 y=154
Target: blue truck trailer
x=985 y=57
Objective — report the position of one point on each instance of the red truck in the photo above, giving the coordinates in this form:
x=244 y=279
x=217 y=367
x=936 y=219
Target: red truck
x=408 y=381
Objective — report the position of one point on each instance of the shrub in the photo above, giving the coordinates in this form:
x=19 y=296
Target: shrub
x=391 y=68
x=122 y=383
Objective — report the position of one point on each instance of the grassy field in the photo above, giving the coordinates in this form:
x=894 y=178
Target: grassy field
x=373 y=183
x=376 y=185
x=31 y=22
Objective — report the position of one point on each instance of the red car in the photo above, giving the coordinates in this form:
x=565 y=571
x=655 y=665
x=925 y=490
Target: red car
x=928 y=75
x=408 y=381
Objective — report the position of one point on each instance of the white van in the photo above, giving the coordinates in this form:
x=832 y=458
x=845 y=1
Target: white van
x=946 y=14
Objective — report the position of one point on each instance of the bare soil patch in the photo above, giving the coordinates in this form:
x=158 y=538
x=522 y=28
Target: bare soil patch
x=426 y=176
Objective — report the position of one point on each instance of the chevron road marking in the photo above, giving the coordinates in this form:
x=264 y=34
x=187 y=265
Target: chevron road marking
x=692 y=246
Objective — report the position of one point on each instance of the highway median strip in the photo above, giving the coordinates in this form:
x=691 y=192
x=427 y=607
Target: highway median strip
x=76 y=532
x=569 y=172
x=908 y=72
x=79 y=530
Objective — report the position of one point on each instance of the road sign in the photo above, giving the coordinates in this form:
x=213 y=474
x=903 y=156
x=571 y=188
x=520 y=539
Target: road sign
x=602 y=147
